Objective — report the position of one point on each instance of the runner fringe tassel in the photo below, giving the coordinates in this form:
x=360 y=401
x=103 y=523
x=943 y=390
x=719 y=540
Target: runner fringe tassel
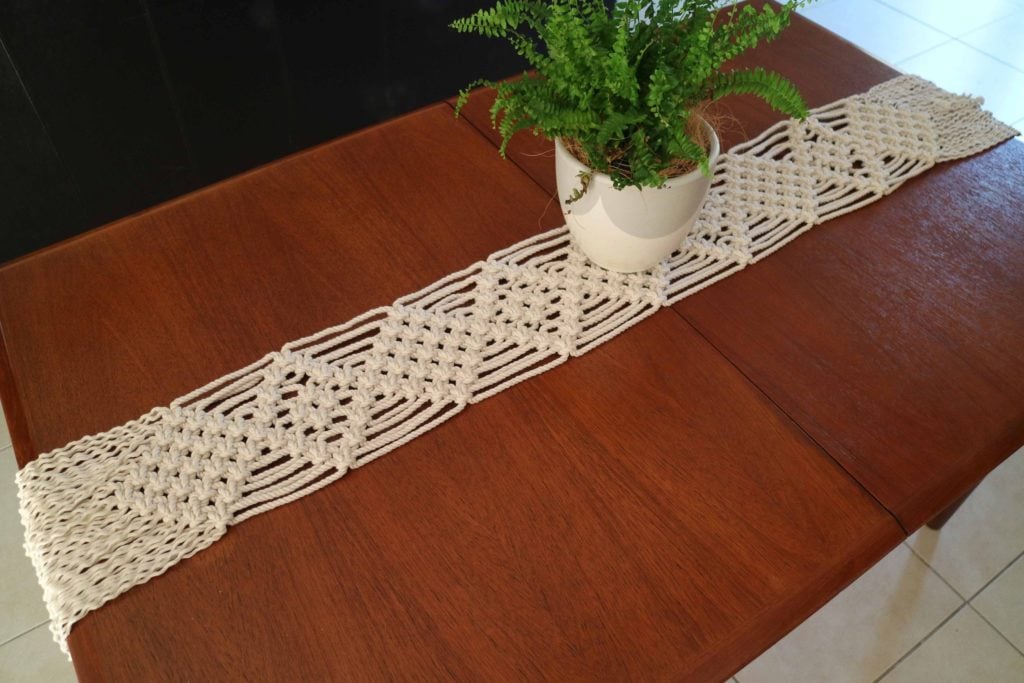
x=111 y=511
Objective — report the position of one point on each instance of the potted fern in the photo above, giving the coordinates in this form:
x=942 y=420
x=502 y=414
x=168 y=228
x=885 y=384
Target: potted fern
x=621 y=92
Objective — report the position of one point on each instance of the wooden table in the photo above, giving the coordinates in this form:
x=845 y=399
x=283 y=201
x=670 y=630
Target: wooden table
x=894 y=336
x=644 y=512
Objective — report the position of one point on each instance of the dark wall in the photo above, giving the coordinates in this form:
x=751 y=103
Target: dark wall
x=110 y=106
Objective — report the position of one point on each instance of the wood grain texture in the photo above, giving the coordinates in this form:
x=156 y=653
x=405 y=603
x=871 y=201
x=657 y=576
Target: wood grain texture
x=641 y=512
x=894 y=334
x=572 y=528
x=226 y=274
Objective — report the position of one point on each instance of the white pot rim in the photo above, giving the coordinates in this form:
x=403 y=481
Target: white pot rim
x=693 y=176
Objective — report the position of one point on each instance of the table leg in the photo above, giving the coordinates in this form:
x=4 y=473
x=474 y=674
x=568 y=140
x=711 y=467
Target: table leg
x=940 y=519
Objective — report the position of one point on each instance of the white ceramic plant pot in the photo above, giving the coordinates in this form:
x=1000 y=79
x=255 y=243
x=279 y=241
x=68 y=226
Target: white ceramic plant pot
x=632 y=229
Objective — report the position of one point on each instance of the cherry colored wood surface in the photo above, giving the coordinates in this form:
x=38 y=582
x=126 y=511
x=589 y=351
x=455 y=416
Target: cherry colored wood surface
x=893 y=335
x=572 y=528
x=167 y=300
x=641 y=512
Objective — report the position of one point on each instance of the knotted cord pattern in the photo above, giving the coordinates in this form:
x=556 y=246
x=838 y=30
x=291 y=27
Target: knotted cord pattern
x=111 y=511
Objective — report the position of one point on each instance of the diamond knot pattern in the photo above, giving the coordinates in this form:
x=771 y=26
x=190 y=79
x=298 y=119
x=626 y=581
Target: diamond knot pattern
x=112 y=510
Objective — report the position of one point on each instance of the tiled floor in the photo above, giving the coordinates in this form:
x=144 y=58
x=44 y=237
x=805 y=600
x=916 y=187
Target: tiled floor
x=971 y=46
x=949 y=605
x=943 y=606
x=27 y=651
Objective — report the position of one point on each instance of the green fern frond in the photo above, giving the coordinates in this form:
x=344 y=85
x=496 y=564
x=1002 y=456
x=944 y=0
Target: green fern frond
x=614 y=128
x=464 y=94
x=779 y=93
x=623 y=81
x=505 y=16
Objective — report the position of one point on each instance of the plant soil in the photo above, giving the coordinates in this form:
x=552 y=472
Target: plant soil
x=617 y=157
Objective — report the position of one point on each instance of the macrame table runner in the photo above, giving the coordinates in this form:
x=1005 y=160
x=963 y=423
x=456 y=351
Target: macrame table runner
x=113 y=510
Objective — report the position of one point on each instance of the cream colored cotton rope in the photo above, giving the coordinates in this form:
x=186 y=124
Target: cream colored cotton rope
x=111 y=511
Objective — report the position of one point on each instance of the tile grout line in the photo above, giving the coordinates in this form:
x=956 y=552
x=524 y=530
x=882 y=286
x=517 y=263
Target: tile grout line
x=954 y=38
x=990 y=56
x=882 y=3
x=923 y=52
x=998 y=574
x=921 y=21
x=960 y=38
x=918 y=20
x=970 y=602
x=963 y=602
x=25 y=632
x=967 y=602
x=993 y=627
x=950 y=38
x=920 y=642
x=943 y=578
x=4 y=453
x=935 y=571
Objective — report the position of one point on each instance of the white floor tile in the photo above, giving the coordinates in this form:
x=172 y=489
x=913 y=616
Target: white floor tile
x=953 y=16
x=1002 y=603
x=1001 y=39
x=964 y=649
x=21 y=598
x=962 y=69
x=984 y=535
x=875 y=28
x=862 y=631
x=34 y=658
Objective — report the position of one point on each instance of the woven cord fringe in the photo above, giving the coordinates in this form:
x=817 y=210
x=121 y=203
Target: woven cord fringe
x=111 y=511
